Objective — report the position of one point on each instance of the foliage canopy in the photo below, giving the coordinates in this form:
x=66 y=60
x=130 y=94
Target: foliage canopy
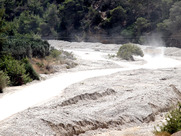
x=94 y=20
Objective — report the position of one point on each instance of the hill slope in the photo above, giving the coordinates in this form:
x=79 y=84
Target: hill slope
x=108 y=21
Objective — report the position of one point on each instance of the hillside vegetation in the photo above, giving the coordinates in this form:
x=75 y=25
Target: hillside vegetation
x=26 y=24
x=23 y=53
x=107 y=21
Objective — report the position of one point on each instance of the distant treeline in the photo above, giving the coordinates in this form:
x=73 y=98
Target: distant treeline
x=105 y=21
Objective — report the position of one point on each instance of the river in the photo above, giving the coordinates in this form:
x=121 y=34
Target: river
x=40 y=92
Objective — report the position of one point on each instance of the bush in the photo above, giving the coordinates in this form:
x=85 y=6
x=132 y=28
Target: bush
x=15 y=70
x=55 y=53
x=126 y=51
x=21 y=47
x=173 y=121
x=29 y=69
x=4 y=80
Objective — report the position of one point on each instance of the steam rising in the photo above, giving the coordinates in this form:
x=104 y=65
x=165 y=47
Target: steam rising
x=154 y=40
x=154 y=53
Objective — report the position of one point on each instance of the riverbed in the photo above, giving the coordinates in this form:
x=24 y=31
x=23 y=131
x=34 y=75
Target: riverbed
x=102 y=94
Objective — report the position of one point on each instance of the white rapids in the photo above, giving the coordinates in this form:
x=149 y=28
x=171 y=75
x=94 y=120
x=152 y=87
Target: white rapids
x=40 y=92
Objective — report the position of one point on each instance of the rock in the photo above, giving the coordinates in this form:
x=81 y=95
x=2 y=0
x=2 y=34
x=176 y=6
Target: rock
x=177 y=134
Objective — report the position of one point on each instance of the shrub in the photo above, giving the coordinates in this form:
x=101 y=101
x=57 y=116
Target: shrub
x=126 y=51
x=4 y=80
x=15 y=70
x=54 y=53
x=29 y=69
x=21 y=47
x=173 y=121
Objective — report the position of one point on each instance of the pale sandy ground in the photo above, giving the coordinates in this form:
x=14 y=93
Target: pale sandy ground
x=102 y=96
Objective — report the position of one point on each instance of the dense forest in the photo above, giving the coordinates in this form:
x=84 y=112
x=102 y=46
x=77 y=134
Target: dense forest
x=107 y=21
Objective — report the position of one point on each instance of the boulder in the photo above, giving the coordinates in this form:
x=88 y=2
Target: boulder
x=177 y=134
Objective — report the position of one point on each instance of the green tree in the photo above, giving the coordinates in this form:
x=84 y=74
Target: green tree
x=51 y=21
x=175 y=17
x=164 y=27
x=29 y=23
x=141 y=25
x=171 y=27
x=165 y=8
x=3 y=29
x=51 y=15
x=71 y=13
x=35 y=7
x=10 y=6
x=118 y=15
